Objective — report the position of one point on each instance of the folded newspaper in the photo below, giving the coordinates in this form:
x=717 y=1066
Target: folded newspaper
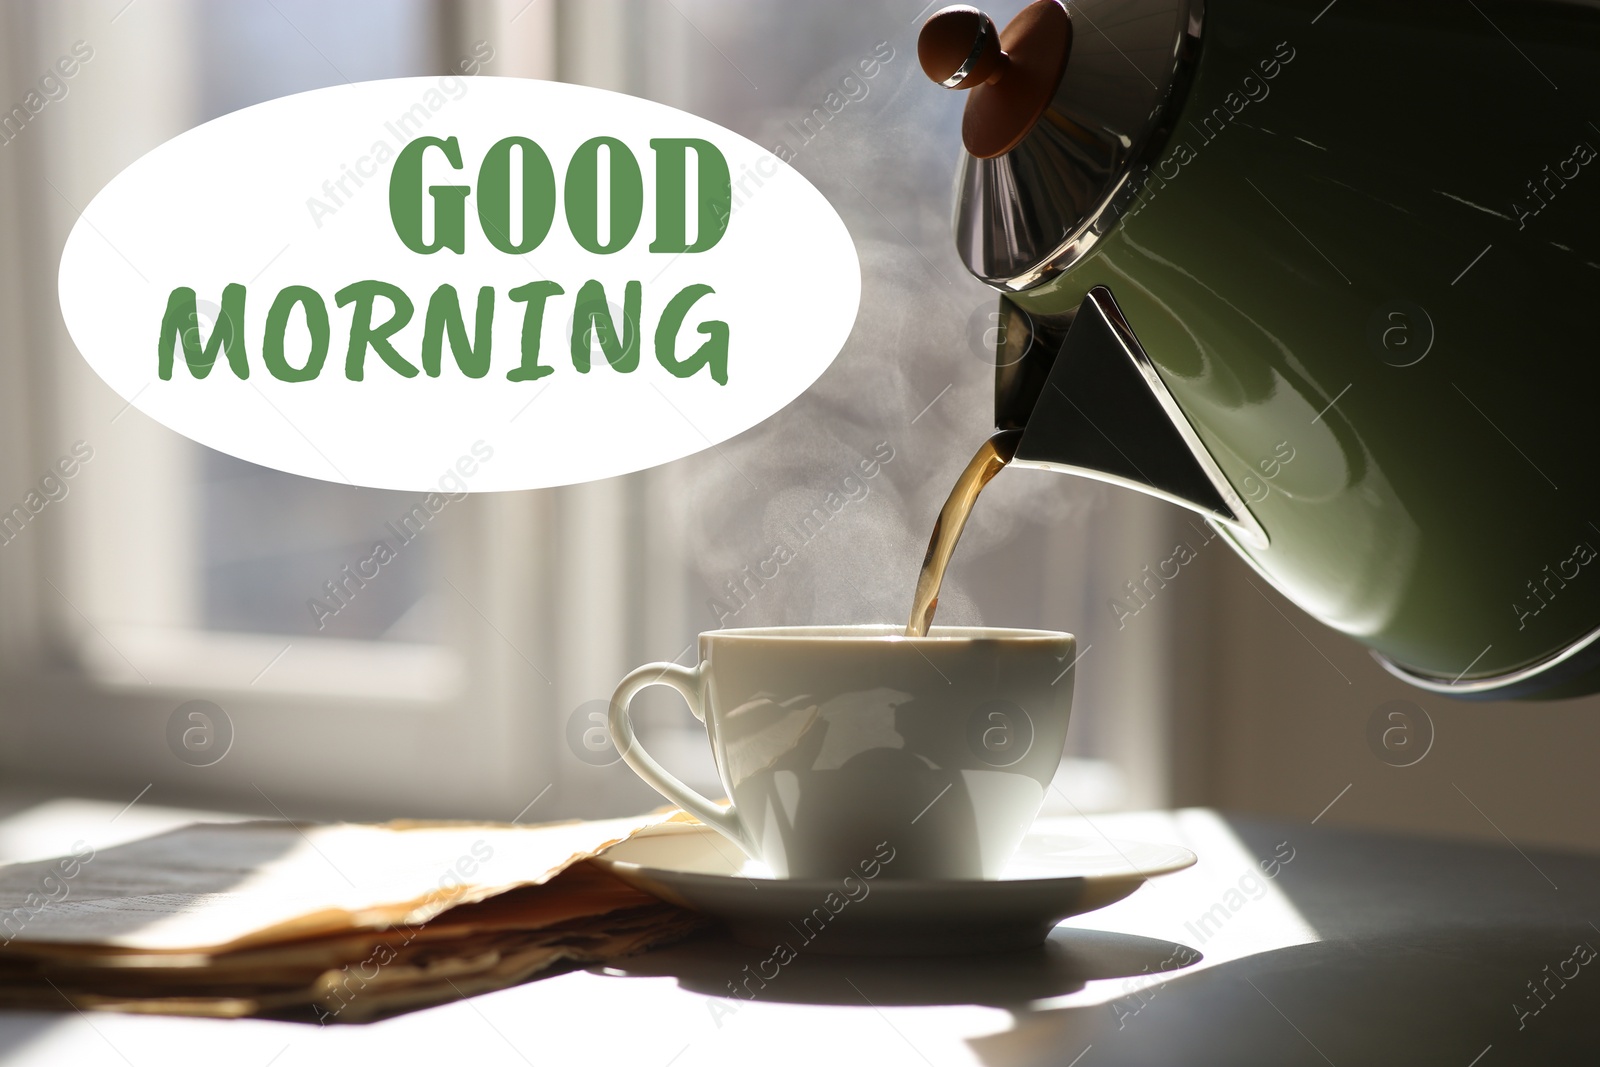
x=326 y=923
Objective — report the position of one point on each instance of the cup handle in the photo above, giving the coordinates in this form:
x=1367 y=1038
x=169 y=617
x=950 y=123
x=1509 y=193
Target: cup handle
x=688 y=682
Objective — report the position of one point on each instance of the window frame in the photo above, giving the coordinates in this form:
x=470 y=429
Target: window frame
x=375 y=744
x=88 y=696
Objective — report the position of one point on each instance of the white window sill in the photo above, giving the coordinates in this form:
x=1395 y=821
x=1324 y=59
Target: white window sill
x=139 y=657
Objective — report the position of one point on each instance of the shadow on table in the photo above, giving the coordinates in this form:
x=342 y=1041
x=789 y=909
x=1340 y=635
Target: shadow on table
x=1443 y=997
x=718 y=966
x=18 y=1032
x=1431 y=952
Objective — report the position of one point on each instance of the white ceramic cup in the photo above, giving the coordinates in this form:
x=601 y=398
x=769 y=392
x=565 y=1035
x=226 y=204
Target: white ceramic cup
x=832 y=741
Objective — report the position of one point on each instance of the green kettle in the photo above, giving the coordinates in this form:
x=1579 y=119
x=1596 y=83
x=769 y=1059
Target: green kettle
x=1325 y=273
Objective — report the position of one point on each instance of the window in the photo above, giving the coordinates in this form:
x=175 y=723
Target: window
x=455 y=682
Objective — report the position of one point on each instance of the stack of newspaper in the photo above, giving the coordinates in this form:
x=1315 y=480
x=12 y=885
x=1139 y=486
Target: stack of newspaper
x=328 y=923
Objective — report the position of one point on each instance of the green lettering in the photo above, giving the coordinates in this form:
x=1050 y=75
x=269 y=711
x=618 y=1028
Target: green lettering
x=713 y=194
x=534 y=294
x=364 y=335
x=444 y=313
x=449 y=201
x=582 y=192
x=316 y=313
x=714 y=353
x=591 y=308
x=180 y=326
x=538 y=195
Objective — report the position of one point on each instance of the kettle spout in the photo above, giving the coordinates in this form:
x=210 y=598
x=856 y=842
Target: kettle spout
x=1088 y=401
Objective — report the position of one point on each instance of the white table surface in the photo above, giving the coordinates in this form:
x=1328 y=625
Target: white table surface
x=1364 y=949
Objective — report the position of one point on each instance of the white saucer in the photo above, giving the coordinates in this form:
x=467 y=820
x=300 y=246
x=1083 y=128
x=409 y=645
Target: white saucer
x=1050 y=878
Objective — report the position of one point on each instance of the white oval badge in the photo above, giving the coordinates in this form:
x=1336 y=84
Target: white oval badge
x=372 y=283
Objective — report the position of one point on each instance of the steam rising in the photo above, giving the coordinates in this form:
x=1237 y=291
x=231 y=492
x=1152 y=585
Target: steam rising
x=783 y=523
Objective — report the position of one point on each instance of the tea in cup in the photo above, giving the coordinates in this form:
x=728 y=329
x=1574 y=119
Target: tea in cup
x=837 y=742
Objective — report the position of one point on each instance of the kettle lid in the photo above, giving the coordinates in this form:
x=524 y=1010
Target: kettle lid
x=1063 y=106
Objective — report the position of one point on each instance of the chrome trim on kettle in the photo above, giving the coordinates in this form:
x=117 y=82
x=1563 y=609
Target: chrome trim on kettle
x=1243 y=521
x=1027 y=216
x=1524 y=681
x=1099 y=332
